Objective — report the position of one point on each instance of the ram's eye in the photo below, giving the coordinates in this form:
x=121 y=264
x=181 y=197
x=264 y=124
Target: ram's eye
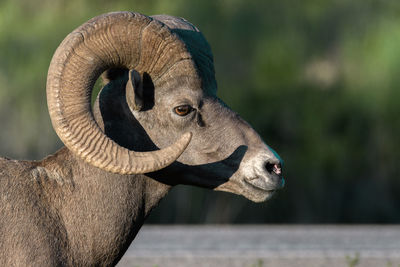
x=183 y=110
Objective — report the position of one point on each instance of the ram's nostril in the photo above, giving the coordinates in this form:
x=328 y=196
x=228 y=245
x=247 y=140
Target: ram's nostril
x=273 y=168
x=269 y=166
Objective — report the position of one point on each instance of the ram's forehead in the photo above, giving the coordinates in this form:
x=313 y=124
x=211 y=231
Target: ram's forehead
x=179 y=78
x=180 y=84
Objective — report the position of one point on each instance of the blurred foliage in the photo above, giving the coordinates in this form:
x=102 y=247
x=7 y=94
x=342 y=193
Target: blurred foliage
x=317 y=79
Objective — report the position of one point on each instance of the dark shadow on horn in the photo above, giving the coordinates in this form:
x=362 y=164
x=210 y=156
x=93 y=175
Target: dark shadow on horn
x=148 y=92
x=119 y=123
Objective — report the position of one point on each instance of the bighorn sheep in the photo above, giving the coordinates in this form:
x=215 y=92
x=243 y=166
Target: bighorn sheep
x=84 y=205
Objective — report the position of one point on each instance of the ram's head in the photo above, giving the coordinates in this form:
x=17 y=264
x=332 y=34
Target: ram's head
x=160 y=92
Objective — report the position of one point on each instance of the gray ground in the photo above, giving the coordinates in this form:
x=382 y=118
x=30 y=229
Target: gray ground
x=265 y=245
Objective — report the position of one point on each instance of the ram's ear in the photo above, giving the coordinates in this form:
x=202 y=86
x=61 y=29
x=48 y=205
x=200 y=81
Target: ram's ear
x=134 y=91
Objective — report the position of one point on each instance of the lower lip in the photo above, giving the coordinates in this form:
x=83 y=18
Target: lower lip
x=260 y=188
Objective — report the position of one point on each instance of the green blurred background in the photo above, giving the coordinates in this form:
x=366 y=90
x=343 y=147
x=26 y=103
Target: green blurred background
x=317 y=79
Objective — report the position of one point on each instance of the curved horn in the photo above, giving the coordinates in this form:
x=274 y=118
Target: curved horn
x=120 y=39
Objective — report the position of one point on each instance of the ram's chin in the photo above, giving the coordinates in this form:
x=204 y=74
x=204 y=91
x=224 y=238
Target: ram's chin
x=258 y=198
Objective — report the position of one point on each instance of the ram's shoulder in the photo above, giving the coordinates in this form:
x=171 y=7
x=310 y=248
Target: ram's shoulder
x=13 y=168
x=35 y=175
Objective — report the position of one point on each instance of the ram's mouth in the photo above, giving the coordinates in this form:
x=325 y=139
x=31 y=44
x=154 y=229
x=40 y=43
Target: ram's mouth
x=260 y=187
x=261 y=184
x=270 y=182
x=255 y=184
